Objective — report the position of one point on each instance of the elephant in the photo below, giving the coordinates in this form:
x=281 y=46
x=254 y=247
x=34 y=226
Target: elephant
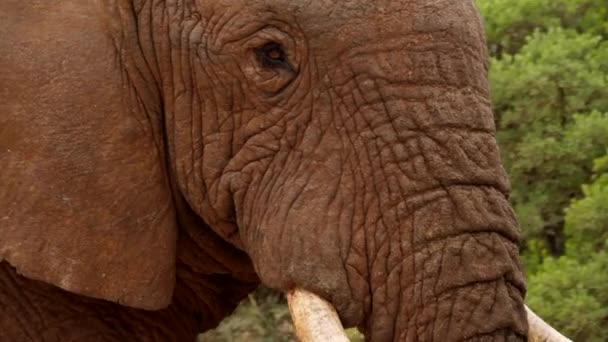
x=161 y=159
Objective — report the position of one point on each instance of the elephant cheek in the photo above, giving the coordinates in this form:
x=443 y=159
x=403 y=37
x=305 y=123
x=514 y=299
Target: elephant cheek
x=300 y=235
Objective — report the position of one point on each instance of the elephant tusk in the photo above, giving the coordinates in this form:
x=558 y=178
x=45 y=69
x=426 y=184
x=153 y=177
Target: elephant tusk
x=540 y=331
x=314 y=318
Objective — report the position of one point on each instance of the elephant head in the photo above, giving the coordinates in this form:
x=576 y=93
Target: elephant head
x=346 y=148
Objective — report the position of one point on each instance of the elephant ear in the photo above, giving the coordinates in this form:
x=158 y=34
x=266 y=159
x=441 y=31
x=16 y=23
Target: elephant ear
x=85 y=203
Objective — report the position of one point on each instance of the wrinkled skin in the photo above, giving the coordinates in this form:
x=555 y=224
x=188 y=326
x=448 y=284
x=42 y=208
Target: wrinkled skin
x=342 y=147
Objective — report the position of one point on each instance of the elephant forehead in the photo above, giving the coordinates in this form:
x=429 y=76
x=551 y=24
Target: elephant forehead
x=335 y=28
x=356 y=17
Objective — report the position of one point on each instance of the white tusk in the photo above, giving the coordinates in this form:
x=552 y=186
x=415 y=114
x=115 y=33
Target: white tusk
x=314 y=318
x=540 y=331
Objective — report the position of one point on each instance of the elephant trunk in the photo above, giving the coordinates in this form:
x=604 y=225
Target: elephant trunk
x=462 y=287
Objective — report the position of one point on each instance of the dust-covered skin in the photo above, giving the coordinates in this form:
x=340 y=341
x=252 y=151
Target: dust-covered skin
x=346 y=148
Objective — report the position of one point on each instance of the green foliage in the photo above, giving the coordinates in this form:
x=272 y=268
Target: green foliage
x=262 y=317
x=573 y=296
x=572 y=291
x=509 y=22
x=550 y=99
x=549 y=79
x=587 y=217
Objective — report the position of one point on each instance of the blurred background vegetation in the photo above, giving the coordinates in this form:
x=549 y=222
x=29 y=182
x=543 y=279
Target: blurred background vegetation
x=549 y=82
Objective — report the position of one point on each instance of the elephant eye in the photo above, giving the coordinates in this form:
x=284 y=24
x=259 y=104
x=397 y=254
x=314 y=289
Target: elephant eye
x=272 y=55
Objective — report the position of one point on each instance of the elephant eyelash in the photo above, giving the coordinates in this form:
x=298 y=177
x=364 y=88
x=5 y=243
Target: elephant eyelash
x=272 y=55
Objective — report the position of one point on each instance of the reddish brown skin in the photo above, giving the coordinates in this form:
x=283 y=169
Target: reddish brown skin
x=155 y=168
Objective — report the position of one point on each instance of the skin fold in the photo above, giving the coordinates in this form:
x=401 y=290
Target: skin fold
x=160 y=158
